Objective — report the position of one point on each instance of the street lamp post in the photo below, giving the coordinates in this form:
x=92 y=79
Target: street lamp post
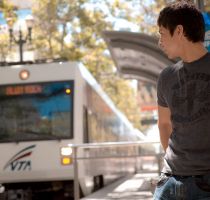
x=21 y=40
x=200 y=4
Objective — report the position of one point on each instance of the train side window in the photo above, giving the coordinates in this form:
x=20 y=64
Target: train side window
x=85 y=125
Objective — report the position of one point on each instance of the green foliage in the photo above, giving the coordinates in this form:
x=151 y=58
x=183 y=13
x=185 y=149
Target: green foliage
x=4 y=46
x=147 y=15
x=8 y=9
x=124 y=97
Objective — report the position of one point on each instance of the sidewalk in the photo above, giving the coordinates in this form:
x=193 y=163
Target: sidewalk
x=132 y=187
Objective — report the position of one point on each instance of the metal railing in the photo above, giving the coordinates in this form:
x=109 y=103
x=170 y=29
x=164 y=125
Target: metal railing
x=76 y=147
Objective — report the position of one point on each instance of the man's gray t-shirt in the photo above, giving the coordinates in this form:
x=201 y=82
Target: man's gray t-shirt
x=185 y=89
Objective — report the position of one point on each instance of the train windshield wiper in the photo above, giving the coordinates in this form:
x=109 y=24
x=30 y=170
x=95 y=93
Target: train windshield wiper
x=38 y=135
x=29 y=135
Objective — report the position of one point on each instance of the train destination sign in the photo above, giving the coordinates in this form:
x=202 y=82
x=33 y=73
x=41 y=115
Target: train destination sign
x=24 y=89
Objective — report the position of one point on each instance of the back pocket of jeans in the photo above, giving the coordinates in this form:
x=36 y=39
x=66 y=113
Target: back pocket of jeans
x=203 y=184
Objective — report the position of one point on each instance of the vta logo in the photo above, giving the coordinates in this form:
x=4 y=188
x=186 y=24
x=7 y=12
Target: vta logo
x=20 y=160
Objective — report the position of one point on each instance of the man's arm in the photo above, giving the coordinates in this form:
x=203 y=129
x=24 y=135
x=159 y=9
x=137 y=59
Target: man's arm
x=164 y=125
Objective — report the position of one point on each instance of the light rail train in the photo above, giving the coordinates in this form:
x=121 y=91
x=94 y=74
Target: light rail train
x=43 y=109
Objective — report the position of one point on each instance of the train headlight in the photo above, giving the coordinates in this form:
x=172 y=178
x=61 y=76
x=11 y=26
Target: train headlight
x=66 y=151
x=24 y=74
x=66 y=161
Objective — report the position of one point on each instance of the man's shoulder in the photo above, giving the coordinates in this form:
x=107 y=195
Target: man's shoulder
x=170 y=70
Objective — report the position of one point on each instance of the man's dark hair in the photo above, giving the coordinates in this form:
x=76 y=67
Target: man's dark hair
x=186 y=14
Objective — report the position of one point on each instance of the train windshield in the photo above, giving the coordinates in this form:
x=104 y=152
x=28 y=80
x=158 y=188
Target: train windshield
x=42 y=111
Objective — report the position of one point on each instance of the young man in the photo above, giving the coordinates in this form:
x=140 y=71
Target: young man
x=184 y=105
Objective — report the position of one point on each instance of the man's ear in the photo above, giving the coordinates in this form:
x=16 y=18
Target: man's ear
x=179 y=31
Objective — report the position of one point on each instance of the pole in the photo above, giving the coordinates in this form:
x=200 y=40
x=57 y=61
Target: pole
x=76 y=181
x=20 y=43
x=200 y=4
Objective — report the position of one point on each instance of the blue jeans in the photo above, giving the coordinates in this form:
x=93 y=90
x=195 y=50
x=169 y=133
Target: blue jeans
x=183 y=188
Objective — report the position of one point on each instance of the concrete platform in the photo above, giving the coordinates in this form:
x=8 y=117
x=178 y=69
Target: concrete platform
x=132 y=187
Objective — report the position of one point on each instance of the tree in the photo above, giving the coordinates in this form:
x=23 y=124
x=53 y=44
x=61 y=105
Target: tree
x=45 y=28
x=8 y=10
x=124 y=97
x=4 y=46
